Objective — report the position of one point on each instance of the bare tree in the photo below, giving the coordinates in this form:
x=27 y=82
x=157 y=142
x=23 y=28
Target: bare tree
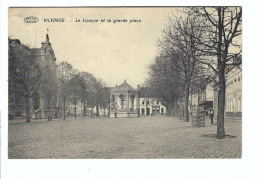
x=65 y=72
x=98 y=98
x=179 y=44
x=77 y=88
x=89 y=81
x=104 y=98
x=221 y=40
x=92 y=93
x=165 y=83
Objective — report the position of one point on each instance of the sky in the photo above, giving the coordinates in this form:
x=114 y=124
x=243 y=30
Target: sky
x=113 y=52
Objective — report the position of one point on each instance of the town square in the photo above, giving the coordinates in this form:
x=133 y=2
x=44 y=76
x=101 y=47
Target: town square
x=136 y=83
x=121 y=138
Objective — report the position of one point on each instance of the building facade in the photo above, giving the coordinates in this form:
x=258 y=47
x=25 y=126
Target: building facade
x=151 y=107
x=234 y=93
x=39 y=104
x=208 y=97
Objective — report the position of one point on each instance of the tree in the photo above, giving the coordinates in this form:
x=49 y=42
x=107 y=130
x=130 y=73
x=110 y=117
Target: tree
x=24 y=73
x=179 y=44
x=99 y=100
x=77 y=88
x=165 y=83
x=49 y=83
x=86 y=95
x=65 y=72
x=90 y=95
x=221 y=39
x=105 y=98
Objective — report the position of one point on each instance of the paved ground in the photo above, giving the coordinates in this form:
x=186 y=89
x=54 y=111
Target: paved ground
x=147 y=137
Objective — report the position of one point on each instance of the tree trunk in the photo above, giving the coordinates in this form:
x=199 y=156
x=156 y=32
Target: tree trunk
x=64 y=107
x=222 y=82
x=97 y=109
x=75 y=109
x=186 y=103
x=27 y=109
x=175 y=107
x=84 y=109
x=170 y=108
x=168 y=112
x=221 y=103
x=49 y=113
x=92 y=112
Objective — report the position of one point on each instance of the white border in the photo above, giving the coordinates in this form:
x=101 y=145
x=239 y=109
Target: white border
x=244 y=168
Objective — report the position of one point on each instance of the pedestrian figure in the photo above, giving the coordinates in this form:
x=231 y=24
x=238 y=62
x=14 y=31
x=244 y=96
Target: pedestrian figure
x=115 y=114
x=211 y=115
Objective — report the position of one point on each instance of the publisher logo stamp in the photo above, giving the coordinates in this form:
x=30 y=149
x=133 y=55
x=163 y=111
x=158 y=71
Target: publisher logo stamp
x=31 y=19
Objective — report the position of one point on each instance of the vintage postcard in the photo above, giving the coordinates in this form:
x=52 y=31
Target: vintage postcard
x=125 y=83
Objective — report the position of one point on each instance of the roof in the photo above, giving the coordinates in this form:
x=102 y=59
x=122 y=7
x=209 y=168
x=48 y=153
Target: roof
x=126 y=87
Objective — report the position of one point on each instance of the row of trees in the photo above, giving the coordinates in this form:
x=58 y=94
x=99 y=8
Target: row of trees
x=195 y=49
x=29 y=77
x=75 y=86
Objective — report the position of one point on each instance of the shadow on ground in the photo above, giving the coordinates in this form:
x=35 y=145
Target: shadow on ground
x=215 y=136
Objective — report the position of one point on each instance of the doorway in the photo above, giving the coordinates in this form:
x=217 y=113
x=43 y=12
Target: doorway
x=147 y=111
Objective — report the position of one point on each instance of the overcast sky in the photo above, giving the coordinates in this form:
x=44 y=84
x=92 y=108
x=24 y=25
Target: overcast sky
x=112 y=52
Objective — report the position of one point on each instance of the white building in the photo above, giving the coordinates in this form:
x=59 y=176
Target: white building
x=234 y=93
x=151 y=106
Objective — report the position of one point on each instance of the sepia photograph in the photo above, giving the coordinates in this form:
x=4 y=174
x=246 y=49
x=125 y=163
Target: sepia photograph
x=125 y=82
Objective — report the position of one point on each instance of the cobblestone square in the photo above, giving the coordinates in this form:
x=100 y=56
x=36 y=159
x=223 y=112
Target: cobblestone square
x=120 y=138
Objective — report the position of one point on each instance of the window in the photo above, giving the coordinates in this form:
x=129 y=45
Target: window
x=157 y=102
x=143 y=102
x=235 y=80
x=238 y=78
x=122 y=97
